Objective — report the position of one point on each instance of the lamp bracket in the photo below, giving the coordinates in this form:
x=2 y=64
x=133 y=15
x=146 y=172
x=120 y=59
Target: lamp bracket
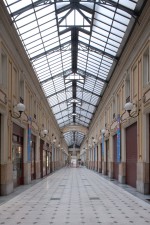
x=13 y=116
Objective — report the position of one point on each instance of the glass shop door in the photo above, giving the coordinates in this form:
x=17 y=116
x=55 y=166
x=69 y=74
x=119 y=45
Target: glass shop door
x=17 y=157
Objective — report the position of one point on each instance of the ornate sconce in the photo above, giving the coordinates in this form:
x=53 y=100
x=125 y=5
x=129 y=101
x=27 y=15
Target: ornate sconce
x=59 y=145
x=20 y=108
x=54 y=140
x=43 y=133
x=128 y=107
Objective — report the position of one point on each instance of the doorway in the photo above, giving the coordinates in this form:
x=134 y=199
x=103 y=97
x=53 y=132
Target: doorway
x=33 y=168
x=107 y=157
x=17 y=155
x=131 y=155
x=115 y=163
x=17 y=159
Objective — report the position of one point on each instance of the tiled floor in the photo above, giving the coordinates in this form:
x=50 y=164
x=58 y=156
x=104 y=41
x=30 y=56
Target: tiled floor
x=75 y=196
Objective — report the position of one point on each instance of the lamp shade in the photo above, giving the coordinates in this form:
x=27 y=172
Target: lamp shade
x=45 y=132
x=20 y=107
x=128 y=106
x=103 y=131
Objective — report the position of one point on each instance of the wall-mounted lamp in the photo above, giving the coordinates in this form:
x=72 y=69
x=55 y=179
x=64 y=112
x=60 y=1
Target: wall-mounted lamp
x=31 y=143
x=90 y=145
x=128 y=107
x=20 y=108
x=54 y=140
x=103 y=131
x=43 y=133
x=59 y=145
x=94 y=140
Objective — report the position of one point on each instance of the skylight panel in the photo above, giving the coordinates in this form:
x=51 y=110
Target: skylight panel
x=51 y=44
x=29 y=33
x=34 y=53
x=50 y=37
x=100 y=10
x=34 y=44
x=29 y=39
x=119 y=26
x=97 y=46
x=28 y=26
x=99 y=36
x=29 y=18
x=123 y=13
x=129 y=4
x=46 y=18
x=83 y=40
x=45 y=10
x=47 y=25
x=92 y=60
x=102 y=25
x=62 y=4
x=99 y=42
x=49 y=31
x=41 y=68
x=124 y=20
x=41 y=64
x=100 y=31
x=53 y=100
x=112 y=48
x=18 y=5
x=115 y=37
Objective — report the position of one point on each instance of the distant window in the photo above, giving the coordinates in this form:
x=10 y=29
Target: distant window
x=127 y=88
x=146 y=65
x=114 y=108
x=3 y=73
x=21 y=91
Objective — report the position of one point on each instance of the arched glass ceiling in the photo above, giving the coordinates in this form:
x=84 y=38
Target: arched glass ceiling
x=73 y=47
x=74 y=138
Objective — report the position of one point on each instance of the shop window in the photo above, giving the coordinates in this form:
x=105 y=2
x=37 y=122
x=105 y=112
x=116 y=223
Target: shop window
x=3 y=73
x=21 y=91
x=127 y=88
x=114 y=108
x=15 y=85
x=118 y=103
x=34 y=106
x=146 y=65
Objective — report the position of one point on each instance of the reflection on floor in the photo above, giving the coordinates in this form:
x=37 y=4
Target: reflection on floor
x=74 y=196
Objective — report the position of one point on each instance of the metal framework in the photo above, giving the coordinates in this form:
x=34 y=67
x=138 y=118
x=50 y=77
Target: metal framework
x=74 y=47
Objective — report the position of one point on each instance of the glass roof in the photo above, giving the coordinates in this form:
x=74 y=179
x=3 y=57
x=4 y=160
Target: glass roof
x=73 y=46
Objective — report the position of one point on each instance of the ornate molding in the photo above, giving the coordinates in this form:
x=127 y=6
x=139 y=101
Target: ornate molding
x=75 y=128
x=3 y=97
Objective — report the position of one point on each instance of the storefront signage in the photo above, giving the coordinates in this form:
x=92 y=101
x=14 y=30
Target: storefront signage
x=118 y=140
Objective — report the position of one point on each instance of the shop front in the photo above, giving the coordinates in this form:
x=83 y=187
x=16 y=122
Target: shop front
x=45 y=155
x=17 y=155
x=115 y=162
x=33 y=157
x=107 y=157
x=131 y=155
